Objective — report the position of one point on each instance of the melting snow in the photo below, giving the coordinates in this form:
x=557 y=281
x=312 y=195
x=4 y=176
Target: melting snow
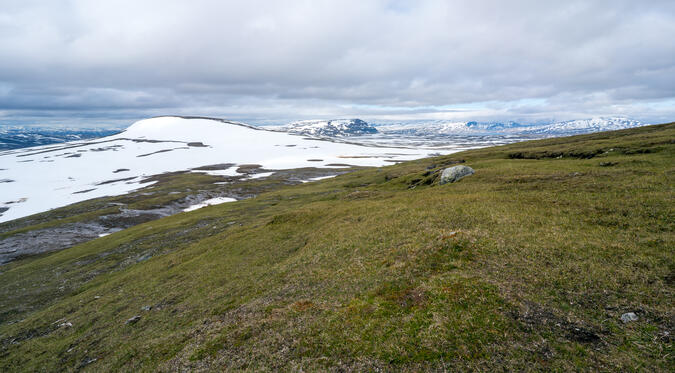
x=318 y=178
x=209 y=202
x=42 y=186
x=260 y=175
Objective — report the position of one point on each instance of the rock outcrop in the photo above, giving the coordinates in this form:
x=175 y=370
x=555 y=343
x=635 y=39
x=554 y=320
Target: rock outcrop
x=455 y=173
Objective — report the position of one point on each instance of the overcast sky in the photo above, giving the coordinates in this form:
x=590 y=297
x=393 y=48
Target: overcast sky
x=111 y=62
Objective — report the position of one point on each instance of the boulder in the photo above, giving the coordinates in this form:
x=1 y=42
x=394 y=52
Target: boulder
x=133 y=320
x=628 y=317
x=455 y=173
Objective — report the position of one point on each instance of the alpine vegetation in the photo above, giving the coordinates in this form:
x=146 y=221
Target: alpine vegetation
x=337 y=186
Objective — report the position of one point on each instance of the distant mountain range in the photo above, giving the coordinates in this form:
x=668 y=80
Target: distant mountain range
x=427 y=128
x=327 y=128
x=25 y=137
x=83 y=168
x=585 y=126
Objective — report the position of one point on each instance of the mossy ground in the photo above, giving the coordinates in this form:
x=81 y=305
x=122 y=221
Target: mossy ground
x=526 y=265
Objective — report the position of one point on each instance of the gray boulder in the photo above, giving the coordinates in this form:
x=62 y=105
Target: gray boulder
x=452 y=174
x=133 y=320
x=628 y=317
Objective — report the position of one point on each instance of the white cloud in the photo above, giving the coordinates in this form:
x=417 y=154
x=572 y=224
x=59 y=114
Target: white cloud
x=299 y=59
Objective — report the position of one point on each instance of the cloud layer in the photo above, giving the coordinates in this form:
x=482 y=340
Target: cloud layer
x=98 y=61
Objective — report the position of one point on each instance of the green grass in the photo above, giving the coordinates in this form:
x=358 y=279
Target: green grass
x=526 y=265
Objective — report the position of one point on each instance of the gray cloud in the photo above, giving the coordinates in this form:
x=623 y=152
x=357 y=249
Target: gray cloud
x=267 y=60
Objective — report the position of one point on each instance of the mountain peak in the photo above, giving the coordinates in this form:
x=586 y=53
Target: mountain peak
x=333 y=127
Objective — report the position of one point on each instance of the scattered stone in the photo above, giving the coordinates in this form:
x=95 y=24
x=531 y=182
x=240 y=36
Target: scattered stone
x=87 y=361
x=146 y=308
x=455 y=173
x=214 y=167
x=157 y=152
x=629 y=317
x=133 y=320
x=449 y=235
x=197 y=144
x=84 y=191
x=115 y=180
x=144 y=258
x=249 y=169
x=66 y=324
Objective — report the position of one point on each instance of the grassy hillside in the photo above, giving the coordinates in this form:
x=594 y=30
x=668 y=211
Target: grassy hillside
x=526 y=265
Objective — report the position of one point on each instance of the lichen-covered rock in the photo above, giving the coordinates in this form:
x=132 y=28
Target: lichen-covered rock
x=629 y=317
x=452 y=174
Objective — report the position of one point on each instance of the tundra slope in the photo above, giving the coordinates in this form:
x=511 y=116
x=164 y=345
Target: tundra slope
x=526 y=265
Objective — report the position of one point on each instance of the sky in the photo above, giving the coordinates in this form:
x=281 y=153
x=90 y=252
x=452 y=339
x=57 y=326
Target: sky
x=109 y=63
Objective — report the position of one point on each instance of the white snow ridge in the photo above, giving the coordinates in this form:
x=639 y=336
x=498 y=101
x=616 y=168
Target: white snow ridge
x=41 y=178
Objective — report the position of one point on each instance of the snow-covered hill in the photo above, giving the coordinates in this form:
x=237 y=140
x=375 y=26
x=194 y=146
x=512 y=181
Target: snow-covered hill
x=327 y=128
x=40 y=178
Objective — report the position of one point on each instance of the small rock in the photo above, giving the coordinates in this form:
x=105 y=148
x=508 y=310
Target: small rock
x=449 y=235
x=455 y=173
x=146 y=308
x=628 y=317
x=87 y=361
x=143 y=258
x=133 y=320
x=197 y=144
x=66 y=324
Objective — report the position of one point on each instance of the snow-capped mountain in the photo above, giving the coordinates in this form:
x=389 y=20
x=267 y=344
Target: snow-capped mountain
x=585 y=126
x=440 y=128
x=327 y=128
x=40 y=178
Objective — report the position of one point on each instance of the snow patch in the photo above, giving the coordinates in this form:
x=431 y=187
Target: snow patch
x=261 y=175
x=318 y=178
x=210 y=202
